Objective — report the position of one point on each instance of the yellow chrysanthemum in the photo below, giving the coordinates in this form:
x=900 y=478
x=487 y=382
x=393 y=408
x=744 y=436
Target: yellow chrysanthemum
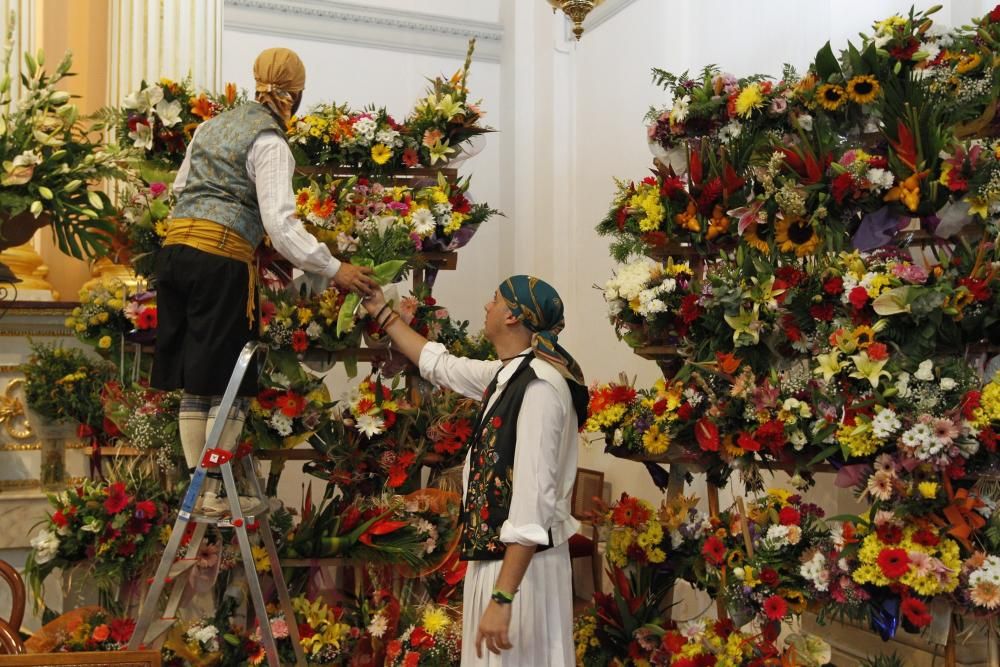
x=749 y=99
x=435 y=620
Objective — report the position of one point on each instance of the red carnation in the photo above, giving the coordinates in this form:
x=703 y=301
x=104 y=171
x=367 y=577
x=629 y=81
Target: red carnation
x=690 y=311
x=770 y=576
x=878 y=352
x=673 y=642
x=822 y=312
x=994 y=15
x=117 y=499
x=915 y=611
x=834 y=286
x=300 y=341
x=894 y=563
x=775 y=607
x=858 y=297
x=714 y=550
x=789 y=516
x=60 y=519
x=684 y=412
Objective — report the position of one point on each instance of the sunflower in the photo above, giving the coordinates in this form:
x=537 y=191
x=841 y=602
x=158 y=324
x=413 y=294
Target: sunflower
x=863 y=336
x=863 y=89
x=968 y=63
x=794 y=234
x=830 y=96
x=754 y=240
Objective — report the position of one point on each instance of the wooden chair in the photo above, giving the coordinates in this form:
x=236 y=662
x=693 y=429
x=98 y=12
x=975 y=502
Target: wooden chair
x=17 y=595
x=10 y=642
x=588 y=489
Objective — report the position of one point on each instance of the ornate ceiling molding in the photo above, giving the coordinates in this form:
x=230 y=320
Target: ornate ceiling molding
x=603 y=12
x=347 y=23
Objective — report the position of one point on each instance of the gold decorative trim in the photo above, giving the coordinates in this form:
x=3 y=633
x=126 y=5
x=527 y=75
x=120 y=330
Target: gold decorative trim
x=60 y=332
x=20 y=447
x=9 y=368
x=12 y=413
x=19 y=484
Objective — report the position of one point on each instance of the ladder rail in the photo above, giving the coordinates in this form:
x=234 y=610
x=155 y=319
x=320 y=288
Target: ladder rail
x=237 y=521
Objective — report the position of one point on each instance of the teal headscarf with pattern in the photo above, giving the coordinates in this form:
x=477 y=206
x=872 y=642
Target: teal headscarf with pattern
x=537 y=305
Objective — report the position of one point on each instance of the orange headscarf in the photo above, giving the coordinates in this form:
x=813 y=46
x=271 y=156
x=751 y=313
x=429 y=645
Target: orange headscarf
x=279 y=74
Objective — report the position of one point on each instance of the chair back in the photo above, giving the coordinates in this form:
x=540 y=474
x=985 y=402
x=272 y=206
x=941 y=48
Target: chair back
x=588 y=490
x=17 y=595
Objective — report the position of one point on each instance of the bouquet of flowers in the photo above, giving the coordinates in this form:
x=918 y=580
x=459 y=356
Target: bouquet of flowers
x=50 y=161
x=290 y=407
x=142 y=225
x=367 y=529
x=96 y=631
x=649 y=302
x=444 y=120
x=328 y=633
x=66 y=384
x=100 y=319
x=372 y=442
x=146 y=419
x=450 y=427
x=332 y=134
x=433 y=514
x=160 y=118
x=435 y=640
x=110 y=528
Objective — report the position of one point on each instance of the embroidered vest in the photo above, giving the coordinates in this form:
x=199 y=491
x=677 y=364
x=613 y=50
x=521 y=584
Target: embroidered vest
x=218 y=187
x=491 y=470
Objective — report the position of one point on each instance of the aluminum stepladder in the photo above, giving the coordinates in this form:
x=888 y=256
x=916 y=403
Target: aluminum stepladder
x=170 y=571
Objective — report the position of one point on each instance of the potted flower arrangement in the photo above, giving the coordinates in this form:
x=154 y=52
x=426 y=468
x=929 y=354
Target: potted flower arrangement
x=50 y=161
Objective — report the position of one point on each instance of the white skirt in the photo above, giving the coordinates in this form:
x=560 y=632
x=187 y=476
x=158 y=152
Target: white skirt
x=541 y=625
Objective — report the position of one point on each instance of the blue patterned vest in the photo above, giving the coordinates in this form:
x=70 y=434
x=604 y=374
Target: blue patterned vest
x=218 y=187
x=491 y=470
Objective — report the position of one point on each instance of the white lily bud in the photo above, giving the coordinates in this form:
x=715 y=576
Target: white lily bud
x=45 y=192
x=95 y=200
x=59 y=98
x=90 y=213
x=36 y=208
x=72 y=186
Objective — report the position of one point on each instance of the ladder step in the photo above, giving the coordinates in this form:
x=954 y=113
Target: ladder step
x=157 y=629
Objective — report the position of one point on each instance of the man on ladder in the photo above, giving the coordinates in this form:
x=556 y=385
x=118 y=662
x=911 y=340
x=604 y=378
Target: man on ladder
x=234 y=185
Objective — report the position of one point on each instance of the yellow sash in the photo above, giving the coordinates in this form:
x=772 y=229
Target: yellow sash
x=216 y=239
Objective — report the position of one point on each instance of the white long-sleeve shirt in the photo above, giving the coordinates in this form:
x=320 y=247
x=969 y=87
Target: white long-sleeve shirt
x=270 y=164
x=545 y=457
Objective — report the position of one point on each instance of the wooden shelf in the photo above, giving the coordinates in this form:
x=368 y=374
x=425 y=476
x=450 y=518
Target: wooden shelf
x=657 y=352
x=442 y=261
x=401 y=176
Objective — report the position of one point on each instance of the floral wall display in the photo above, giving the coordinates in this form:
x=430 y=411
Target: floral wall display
x=813 y=262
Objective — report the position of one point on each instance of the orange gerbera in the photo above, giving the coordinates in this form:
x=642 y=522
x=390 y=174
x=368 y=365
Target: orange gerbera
x=630 y=512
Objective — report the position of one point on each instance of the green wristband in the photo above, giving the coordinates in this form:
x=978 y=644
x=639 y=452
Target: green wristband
x=501 y=597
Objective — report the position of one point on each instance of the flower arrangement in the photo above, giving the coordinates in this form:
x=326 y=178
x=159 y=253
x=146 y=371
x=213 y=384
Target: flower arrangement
x=290 y=406
x=368 y=529
x=450 y=427
x=328 y=633
x=434 y=641
x=101 y=319
x=98 y=631
x=112 y=529
x=51 y=159
x=373 y=442
x=636 y=535
x=650 y=302
x=373 y=141
x=142 y=225
x=160 y=118
x=146 y=419
x=64 y=384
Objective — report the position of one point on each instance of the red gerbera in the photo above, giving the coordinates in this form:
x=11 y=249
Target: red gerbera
x=146 y=319
x=300 y=341
x=117 y=499
x=894 y=563
x=291 y=404
x=915 y=611
x=714 y=550
x=889 y=533
x=926 y=538
x=630 y=512
x=775 y=607
x=267 y=397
